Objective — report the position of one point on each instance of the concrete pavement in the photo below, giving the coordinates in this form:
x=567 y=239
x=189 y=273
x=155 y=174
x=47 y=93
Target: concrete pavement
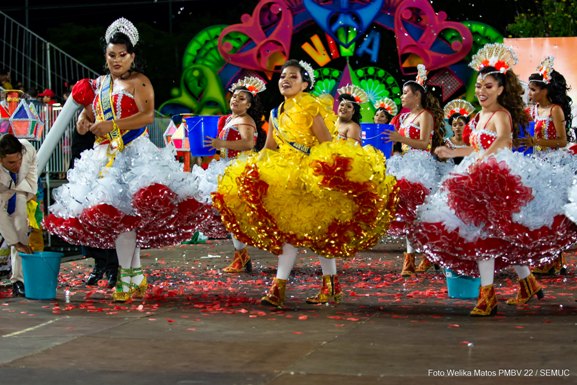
x=198 y=326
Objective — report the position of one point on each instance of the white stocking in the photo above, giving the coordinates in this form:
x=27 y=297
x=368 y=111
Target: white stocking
x=486 y=271
x=286 y=261
x=136 y=265
x=410 y=248
x=125 y=249
x=328 y=265
x=522 y=271
x=238 y=245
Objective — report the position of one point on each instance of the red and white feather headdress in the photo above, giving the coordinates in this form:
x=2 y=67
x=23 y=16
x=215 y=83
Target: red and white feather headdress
x=356 y=92
x=253 y=84
x=388 y=105
x=458 y=106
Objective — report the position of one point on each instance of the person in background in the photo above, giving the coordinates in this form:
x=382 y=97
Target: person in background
x=551 y=112
x=349 y=112
x=241 y=132
x=48 y=96
x=458 y=113
x=386 y=110
x=18 y=185
x=420 y=130
x=5 y=81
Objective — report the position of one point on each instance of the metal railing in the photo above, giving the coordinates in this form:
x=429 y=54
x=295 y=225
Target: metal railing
x=37 y=63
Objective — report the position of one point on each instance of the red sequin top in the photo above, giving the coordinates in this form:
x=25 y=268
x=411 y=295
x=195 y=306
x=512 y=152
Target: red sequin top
x=481 y=138
x=544 y=126
x=230 y=133
x=410 y=130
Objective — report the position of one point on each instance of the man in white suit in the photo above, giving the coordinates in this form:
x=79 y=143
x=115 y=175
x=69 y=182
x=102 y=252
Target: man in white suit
x=18 y=185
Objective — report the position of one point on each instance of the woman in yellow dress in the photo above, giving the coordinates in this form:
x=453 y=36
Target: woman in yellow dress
x=306 y=190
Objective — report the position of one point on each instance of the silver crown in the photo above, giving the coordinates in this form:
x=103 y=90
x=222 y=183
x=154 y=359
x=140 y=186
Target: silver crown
x=124 y=26
x=309 y=69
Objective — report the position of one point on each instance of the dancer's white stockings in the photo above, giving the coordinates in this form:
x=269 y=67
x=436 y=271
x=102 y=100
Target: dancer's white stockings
x=238 y=245
x=329 y=266
x=129 y=256
x=286 y=261
x=410 y=248
x=522 y=271
x=486 y=271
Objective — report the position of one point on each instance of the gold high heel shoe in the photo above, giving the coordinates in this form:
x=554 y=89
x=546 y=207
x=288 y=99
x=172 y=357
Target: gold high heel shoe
x=120 y=294
x=138 y=291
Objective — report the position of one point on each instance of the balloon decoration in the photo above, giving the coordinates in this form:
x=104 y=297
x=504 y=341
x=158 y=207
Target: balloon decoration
x=374 y=45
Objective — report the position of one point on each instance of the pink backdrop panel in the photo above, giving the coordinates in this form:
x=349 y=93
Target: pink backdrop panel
x=532 y=50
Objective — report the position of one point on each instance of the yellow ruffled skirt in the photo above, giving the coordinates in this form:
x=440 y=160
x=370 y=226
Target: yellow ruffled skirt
x=336 y=201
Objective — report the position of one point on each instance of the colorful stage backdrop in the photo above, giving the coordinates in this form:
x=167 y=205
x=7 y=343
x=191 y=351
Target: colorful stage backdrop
x=375 y=45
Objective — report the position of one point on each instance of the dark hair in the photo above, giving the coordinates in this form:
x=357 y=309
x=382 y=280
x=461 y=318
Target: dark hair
x=389 y=116
x=121 y=38
x=556 y=92
x=430 y=103
x=304 y=73
x=465 y=118
x=511 y=98
x=256 y=112
x=9 y=144
x=356 y=106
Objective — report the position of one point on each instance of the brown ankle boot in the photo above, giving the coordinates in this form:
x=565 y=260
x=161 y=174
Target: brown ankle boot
x=408 y=265
x=486 y=303
x=424 y=265
x=330 y=290
x=276 y=294
x=240 y=262
x=528 y=287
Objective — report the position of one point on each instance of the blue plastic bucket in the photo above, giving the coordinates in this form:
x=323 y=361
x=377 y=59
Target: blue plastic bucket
x=461 y=286
x=372 y=134
x=530 y=130
x=40 y=272
x=199 y=127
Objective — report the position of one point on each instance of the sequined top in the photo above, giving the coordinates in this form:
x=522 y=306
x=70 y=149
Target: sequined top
x=544 y=125
x=123 y=102
x=481 y=138
x=230 y=133
x=410 y=130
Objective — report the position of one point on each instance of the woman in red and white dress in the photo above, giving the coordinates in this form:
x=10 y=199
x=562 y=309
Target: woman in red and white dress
x=551 y=112
x=126 y=193
x=417 y=171
x=458 y=113
x=498 y=207
x=241 y=134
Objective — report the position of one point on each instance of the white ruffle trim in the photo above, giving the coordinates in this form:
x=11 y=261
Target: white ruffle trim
x=139 y=165
x=418 y=167
x=208 y=179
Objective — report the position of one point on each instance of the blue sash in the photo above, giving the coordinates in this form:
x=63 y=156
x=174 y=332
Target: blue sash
x=117 y=139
